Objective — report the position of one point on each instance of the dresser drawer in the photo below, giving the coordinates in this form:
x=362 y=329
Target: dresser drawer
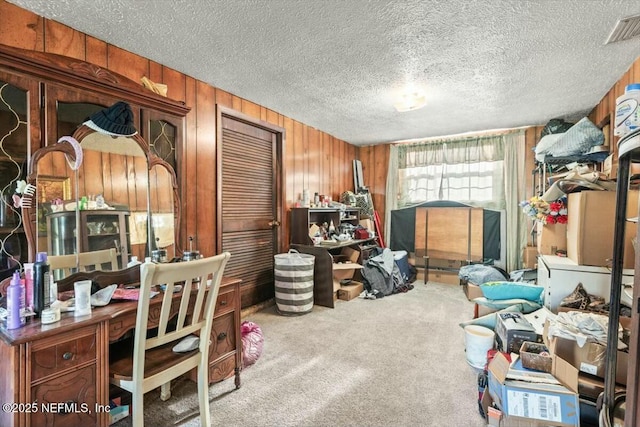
x=66 y=401
x=226 y=302
x=223 y=336
x=54 y=358
x=222 y=369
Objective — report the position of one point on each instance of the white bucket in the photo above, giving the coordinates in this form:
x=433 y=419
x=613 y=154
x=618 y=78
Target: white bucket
x=478 y=340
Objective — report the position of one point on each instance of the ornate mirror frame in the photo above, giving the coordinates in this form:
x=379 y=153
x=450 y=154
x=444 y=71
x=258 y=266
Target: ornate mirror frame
x=76 y=75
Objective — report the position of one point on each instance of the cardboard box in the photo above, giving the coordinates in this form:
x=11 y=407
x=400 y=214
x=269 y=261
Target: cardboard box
x=471 y=290
x=530 y=257
x=482 y=310
x=512 y=329
x=610 y=167
x=493 y=416
x=590 y=358
x=526 y=402
x=367 y=223
x=551 y=238
x=350 y=291
x=590 y=227
x=343 y=271
x=350 y=254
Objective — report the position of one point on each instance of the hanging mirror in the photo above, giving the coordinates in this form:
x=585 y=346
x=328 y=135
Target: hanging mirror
x=43 y=97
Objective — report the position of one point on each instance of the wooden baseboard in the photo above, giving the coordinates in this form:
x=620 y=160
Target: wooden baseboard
x=257 y=307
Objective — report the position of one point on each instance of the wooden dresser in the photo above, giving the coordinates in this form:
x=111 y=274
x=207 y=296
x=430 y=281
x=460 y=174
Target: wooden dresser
x=58 y=374
x=225 y=352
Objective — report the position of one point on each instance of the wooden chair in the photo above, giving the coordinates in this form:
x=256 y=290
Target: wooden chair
x=84 y=261
x=153 y=363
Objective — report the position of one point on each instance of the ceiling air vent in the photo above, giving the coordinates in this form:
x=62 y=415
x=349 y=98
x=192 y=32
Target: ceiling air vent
x=625 y=29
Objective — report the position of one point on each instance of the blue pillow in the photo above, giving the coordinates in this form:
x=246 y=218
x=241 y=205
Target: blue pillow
x=510 y=290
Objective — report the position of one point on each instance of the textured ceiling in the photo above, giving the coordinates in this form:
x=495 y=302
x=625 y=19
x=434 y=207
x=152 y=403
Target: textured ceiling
x=337 y=65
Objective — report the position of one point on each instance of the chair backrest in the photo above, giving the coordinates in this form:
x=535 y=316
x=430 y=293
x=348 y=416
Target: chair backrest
x=84 y=261
x=193 y=307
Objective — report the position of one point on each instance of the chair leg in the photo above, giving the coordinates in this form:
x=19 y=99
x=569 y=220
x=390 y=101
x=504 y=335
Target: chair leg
x=203 y=392
x=165 y=391
x=137 y=410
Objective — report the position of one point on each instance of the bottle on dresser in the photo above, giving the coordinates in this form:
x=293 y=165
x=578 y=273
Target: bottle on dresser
x=15 y=303
x=28 y=285
x=41 y=284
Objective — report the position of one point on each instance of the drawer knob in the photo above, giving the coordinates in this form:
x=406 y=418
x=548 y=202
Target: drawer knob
x=67 y=355
x=223 y=302
x=221 y=336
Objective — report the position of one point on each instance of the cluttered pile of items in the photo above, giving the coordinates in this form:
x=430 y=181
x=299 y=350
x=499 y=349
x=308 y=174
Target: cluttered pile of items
x=535 y=367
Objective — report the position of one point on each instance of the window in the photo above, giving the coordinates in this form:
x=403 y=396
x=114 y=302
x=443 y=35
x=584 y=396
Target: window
x=457 y=171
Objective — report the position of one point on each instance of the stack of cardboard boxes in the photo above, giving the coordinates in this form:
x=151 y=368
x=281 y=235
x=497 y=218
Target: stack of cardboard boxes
x=554 y=396
x=344 y=270
x=587 y=237
x=517 y=397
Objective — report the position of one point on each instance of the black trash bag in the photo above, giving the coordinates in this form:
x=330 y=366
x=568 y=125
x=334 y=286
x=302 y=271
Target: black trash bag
x=555 y=126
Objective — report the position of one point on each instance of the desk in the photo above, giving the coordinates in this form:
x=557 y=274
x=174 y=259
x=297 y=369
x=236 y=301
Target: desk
x=68 y=361
x=322 y=267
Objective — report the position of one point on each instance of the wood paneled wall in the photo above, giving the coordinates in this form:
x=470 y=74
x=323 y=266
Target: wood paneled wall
x=314 y=160
x=375 y=165
x=531 y=139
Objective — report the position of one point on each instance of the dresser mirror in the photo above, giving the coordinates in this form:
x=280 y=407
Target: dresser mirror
x=44 y=97
x=118 y=196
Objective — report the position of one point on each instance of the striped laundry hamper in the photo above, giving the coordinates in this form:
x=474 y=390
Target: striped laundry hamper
x=293 y=273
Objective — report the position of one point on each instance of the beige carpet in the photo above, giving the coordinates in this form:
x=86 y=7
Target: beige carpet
x=397 y=361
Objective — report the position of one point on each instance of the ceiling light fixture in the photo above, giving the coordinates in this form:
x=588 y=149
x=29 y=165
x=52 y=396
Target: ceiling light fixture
x=410 y=101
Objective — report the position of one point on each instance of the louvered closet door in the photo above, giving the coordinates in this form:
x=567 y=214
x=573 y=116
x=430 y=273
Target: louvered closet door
x=249 y=206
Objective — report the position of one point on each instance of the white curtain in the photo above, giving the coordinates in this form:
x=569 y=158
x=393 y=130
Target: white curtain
x=514 y=190
x=392 y=190
x=468 y=170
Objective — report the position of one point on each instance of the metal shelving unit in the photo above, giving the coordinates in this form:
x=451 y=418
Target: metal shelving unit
x=628 y=152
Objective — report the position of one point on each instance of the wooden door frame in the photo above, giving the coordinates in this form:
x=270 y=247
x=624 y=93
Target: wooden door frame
x=279 y=173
